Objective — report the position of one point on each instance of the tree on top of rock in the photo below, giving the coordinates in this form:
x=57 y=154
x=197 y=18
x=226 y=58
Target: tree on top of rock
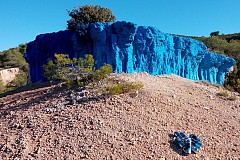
x=89 y=14
x=216 y=33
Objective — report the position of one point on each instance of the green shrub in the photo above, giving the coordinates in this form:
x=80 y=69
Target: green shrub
x=123 y=87
x=103 y=72
x=2 y=87
x=81 y=72
x=13 y=58
x=74 y=71
x=233 y=79
x=89 y=14
x=223 y=94
x=20 y=80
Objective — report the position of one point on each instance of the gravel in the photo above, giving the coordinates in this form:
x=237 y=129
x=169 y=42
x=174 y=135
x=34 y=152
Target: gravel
x=43 y=124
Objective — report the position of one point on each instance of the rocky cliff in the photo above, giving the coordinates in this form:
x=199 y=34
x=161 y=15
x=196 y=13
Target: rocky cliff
x=131 y=48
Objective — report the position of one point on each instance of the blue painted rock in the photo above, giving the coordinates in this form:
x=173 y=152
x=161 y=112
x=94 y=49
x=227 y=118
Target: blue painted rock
x=131 y=48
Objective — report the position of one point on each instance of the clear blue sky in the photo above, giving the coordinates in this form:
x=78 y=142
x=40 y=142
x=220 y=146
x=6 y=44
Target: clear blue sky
x=22 y=20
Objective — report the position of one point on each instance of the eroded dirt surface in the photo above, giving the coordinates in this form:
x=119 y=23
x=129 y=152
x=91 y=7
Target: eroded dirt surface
x=45 y=124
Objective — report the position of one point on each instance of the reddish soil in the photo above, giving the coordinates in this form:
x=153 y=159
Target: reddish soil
x=43 y=124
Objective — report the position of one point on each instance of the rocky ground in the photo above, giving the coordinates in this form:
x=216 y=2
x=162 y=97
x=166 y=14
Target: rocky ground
x=46 y=123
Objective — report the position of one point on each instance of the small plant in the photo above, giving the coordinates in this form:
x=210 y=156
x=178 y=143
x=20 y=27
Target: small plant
x=123 y=87
x=75 y=71
x=103 y=72
x=223 y=94
x=20 y=80
x=81 y=72
x=2 y=87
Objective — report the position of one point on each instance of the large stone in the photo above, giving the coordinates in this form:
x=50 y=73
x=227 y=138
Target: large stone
x=131 y=48
x=8 y=75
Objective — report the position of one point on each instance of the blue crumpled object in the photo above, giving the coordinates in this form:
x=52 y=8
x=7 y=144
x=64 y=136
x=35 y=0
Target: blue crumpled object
x=188 y=144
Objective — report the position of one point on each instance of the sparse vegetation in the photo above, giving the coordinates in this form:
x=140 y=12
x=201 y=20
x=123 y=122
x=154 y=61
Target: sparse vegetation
x=207 y=83
x=103 y=72
x=74 y=71
x=20 y=80
x=81 y=72
x=223 y=94
x=2 y=87
x=123 y=87
x=228 y=45
x=13 y=58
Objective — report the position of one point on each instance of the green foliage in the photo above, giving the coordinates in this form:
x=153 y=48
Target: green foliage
x=229 y=37
x=22 y=48
x=13 y=58
x=74 y=71
x=50 y=71
x=228 y=45
x=223 y=94
x=103 y=72
x=123 y=87
x=88 y=63
x=215 y=43
x=216 y=33
x=20 y=79
x=89 y=14
x=81 y=72
x=2 y=87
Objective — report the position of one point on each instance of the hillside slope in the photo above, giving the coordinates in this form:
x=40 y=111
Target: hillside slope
x=40 y=124
x=10 y=60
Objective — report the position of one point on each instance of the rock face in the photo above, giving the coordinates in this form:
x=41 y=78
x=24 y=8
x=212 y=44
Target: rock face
x=8 y=75
x=131 y=48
